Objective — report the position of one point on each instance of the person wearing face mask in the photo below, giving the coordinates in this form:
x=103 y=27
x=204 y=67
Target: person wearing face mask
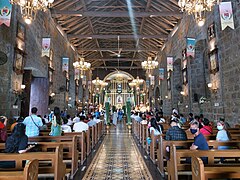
x=200 y=143
x=223 y=134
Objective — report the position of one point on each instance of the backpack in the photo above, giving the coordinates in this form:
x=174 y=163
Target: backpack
x=3 y=134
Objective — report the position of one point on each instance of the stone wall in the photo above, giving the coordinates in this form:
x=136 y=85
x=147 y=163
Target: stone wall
x=224 y=101
x=43 y=26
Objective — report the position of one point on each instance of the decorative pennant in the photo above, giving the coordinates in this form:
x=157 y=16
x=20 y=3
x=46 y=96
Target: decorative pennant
x=5 y=12
x=147 y=83
x=226 y=15
x=169 y=63
x=65 y=62
x=191 y=47
x=89 y=85
x=46 y=47
x=84 y=80
x=76 y=74
x=161 y=73
x=152 y=80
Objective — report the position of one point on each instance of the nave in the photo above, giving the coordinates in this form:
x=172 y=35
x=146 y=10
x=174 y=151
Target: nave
x=119 y=157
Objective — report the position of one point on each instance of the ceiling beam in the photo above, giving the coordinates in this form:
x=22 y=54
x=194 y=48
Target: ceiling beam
x=116 y=67
x=115 y=59
x=55 y=12
x=116 y=49
x=113 y=36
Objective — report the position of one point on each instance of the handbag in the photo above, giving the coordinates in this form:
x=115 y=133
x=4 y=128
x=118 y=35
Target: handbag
x=35 y=123
x=3 y=134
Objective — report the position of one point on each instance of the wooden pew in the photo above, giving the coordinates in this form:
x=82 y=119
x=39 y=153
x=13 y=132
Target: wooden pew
x=163 y=155
x=70 y=153
x=30 y=172
x=56 y=165
x=83 y=144
x=175 y=167
x=68 y=137
x=154 y=146
x=199 y=172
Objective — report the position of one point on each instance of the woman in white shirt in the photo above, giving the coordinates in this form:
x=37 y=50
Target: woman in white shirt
x=155 y=127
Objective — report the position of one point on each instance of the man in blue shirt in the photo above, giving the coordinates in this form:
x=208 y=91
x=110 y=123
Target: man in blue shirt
x=33 y=123
x=200 y=143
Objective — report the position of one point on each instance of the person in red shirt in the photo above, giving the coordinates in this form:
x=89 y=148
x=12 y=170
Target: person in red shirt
x=206 y=130
x=3 y=122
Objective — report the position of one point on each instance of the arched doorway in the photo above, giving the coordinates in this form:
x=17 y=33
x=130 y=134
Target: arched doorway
x=118 y=90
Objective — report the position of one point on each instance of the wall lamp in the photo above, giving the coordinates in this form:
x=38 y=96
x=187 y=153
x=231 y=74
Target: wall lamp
x=20 y=90
x=212 y=87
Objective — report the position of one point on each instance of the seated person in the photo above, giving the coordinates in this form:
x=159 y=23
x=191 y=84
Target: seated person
x=91 y=122
x=65 y=127
x=155 y=127
x=159 y=117
x=174 y=133
x=3 y=128
x=17 y=142
x=200 y=143
x=206 y=129
x=80 y=126
x=223 y=134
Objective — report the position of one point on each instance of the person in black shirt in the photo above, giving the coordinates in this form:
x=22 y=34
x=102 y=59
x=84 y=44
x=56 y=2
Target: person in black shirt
x=16 y=143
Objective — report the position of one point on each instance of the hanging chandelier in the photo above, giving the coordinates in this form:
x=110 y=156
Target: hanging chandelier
x=138 y=81
x=97 y=82
x=149 y=65
x=82 y=66
x=29 y=8
x=197 y=8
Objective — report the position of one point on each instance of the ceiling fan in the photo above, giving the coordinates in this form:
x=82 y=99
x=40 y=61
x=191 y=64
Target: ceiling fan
x=117 y=54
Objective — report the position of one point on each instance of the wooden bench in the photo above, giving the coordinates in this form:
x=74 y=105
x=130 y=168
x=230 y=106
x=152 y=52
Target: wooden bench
x=30 y=172
x=55 y=167
x=163 y=155
x=70 y=153
x=199 y=172
x=177 y=156
x=84 y=139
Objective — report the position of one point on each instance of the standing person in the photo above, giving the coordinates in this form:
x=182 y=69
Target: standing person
x=33 y=123
x=56 y=129
x=115 y=118
x=120 y=115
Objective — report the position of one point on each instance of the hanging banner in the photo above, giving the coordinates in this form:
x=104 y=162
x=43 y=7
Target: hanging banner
x=84 y=80
x=89 y=85
x=169 y=63
x=191 y=47
x=152 y=80
x=147 y=83
x=5 y=12
x=226 y=15
x=65 y=62
x=161 y=73
x=46 y=47
x=76 y=74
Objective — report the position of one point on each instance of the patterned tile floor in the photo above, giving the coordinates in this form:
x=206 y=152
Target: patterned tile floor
x=118 y=158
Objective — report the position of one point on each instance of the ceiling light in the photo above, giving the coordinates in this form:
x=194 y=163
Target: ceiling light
x=29 y=8
x=197 y=8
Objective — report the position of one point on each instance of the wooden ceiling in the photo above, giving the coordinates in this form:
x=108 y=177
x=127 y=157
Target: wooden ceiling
x=97 y=28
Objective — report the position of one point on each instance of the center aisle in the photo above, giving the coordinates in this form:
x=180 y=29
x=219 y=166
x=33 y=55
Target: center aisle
x=118 y=158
